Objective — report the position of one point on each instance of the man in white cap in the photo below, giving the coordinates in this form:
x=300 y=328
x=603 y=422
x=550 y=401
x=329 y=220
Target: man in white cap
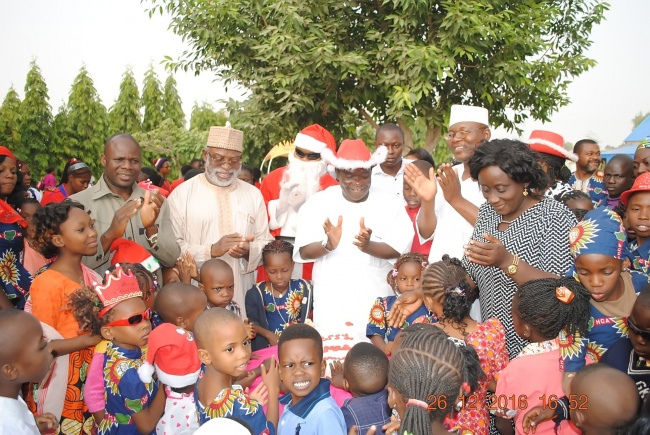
x=216 y=215
x=287 y=188
x=351 y=233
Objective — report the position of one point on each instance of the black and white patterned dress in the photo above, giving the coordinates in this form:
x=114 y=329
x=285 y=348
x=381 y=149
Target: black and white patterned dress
x=540 y=237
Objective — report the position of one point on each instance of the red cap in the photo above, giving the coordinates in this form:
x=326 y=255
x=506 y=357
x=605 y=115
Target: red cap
x=641 y=184
x=551 y=143
x=127 y=251
x=315 y=139
x=354 y=154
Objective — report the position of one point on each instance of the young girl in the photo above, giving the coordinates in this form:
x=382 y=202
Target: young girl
x=598 y=244
x=76 y=177
x=65 y=231
x=281 y=301
x=541 y=310
x=32 y=259
x=117 y=312
x=447 y=294
x=428 y=375
x=406 y=276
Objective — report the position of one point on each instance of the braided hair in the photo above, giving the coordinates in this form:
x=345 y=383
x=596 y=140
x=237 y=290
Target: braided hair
x=46 y=223
x=142 y=275
x=445 y=282
x=428 y=367
x=277 y=247
x=410 y=257
x=574 y=195
x=540 y=308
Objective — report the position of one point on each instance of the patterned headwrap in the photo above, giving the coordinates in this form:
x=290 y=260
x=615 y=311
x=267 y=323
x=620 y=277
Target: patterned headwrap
x=600 y=232
x=158 y=163
x=645 y=143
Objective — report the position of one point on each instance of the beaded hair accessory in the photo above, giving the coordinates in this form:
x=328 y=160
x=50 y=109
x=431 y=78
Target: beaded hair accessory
x=564 y=294
x=418 y=403
x=119 y=287
x=456 y=291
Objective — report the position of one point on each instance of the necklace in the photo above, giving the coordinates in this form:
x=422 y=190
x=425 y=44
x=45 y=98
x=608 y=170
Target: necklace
x=273 y=307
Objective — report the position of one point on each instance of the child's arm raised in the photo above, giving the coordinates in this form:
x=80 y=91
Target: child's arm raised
x=147 y=419
x=271 y=378
x=69 y=345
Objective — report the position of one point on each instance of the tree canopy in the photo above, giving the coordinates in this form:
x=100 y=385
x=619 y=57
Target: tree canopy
x=172 y=105
x=339 y=63
x=124 y=116
x=10 y=120
x=35 y=119
x=152 y=101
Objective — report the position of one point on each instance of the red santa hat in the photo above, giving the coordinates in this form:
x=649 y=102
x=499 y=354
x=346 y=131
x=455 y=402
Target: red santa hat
x=173 y=355
x=127 y=251
x=551 y=143
x=315 y=139
x=354 y=154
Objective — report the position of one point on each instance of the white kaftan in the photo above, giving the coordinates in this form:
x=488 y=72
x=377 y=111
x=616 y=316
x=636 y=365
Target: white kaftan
x=202 y=213
x=346 y=280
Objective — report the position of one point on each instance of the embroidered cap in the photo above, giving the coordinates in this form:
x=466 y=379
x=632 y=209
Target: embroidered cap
x=226 y=138
x=600 y=232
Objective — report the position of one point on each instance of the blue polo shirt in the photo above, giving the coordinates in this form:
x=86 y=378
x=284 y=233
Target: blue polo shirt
x=316 y=414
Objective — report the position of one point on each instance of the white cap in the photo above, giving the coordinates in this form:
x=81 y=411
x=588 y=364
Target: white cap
x=461 y=113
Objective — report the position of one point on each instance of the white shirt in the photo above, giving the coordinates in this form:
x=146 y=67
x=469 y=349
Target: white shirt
x=15 y=418
x=393 y=185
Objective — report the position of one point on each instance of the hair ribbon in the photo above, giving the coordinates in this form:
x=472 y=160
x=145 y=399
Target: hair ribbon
x=564 y=294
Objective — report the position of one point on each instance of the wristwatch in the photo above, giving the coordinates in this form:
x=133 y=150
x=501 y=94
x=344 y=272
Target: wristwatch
x=512 y=269
x=324 y=244
x=153 y=240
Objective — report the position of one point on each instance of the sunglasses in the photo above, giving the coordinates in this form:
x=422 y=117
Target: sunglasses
x=135 y=319
x=637 y=331
x=310 y=156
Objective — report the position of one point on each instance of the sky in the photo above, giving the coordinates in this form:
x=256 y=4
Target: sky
x=107 y=36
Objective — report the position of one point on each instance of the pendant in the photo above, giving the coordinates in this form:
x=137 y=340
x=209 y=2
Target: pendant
x=270 y=308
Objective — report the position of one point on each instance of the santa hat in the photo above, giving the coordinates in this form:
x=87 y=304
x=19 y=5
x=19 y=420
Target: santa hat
x=173 y=355
x=315 y=139
x=354 y=154
x=551 y=143
x=127 y=251
x=460 y=113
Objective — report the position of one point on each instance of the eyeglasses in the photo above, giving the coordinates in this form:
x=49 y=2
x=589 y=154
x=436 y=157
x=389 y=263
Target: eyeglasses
x=310 y=156
x=461 y=134
x=219 y=160
x=637 y=331
x=135 y=319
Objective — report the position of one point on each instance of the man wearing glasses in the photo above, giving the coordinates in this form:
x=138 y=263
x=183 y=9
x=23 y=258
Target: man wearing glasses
x=216 y=215
x=287 y=188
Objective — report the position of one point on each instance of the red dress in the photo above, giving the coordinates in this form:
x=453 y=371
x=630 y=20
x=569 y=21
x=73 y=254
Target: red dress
x=420 y=248
x=56 y=195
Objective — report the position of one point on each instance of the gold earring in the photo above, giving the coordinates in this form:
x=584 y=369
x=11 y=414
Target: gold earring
x=525 y=191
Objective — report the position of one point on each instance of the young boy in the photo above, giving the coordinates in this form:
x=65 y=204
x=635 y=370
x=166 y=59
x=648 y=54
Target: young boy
x=619 y=176
x=180 y=304
x=413 y=203
x=309 y=408
x=218 y=284
x=637 y=201
x=25 y=356
x=365 y=373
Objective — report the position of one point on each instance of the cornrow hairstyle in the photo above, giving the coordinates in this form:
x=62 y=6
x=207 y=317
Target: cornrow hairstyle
x=277 y=247
x=410 y=257
x=541 y=309
x=46 y=223
x=572 y=195
x=142 y=275
x=445 y=282
x=86 y=305
x=428 y=365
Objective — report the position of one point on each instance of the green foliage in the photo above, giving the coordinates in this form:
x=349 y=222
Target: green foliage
x=35 y=119
x=337 y=63
x=204 y=116
x=172 y=106
x=59 y=143
x=10 y=121
x=87 y=122
x=639 y=118
x=152 y=100
x=179 y=145
x=124 y=116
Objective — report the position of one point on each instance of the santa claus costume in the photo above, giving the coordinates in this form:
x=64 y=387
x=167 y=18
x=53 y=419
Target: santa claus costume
x=287 y=188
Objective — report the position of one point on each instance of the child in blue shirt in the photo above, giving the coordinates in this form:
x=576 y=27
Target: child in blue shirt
x=309 y=408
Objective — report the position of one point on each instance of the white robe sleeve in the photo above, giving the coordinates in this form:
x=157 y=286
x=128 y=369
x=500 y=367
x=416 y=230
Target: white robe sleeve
x=311 y=218
x=277 y=220
x=396 y=228
x=262 y=237
x=178 y=213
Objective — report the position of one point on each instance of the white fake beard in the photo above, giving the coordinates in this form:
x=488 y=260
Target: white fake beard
x=306 y=175
x=211 y=175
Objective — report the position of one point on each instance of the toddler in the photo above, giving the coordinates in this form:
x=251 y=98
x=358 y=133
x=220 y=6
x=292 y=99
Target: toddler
x=180 y=304
x=217 y=281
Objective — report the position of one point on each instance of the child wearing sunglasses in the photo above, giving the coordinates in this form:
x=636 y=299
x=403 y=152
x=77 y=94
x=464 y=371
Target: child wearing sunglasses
x=64 y=231
x=117 y=312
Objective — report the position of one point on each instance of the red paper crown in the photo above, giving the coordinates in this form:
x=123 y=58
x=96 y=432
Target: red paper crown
x=119 y=287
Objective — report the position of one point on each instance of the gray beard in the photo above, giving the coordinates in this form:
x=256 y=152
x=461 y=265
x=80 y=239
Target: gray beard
x=211 y=176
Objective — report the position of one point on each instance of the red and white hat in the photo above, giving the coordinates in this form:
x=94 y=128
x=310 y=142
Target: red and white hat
x=173 y=355
x=354 y=154
x=551 y=143
x=127 y=251
x=315 y=139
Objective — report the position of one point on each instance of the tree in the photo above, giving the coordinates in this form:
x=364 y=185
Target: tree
x=124 y=116
x=87 y=121
x=172 y=106
x=152 y=100
x=60 y=145
x=639 y=118
x=10 y=120
x=35 y=119
x=203 y=117
x=335 y=62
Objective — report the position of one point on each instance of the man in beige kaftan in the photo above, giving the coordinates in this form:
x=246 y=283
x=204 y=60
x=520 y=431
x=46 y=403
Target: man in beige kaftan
x=215 y=215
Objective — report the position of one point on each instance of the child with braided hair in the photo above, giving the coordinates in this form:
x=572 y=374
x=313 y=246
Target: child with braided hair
x=447 y=293
x=541 y=309
x=428 y=376
x=281 y=301
x=406 y=276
